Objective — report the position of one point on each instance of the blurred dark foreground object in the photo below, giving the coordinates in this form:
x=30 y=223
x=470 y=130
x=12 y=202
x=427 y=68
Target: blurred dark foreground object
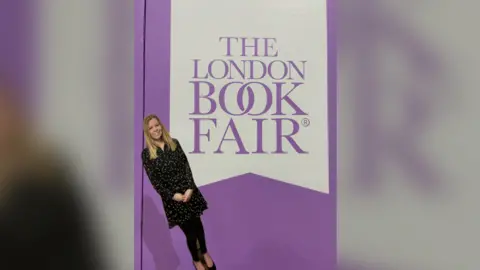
x=43 y=222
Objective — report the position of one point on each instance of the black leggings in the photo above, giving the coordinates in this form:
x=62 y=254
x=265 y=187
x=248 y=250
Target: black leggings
x=193 y=230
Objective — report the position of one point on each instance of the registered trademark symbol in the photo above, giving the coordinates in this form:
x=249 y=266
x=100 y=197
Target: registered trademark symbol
x=305 y=122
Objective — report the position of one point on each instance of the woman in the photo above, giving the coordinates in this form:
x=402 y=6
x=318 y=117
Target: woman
x=169 y=172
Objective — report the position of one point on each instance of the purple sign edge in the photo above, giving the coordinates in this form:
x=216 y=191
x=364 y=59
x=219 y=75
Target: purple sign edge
x=332 y=107
x=139 y=69
x=139 y=79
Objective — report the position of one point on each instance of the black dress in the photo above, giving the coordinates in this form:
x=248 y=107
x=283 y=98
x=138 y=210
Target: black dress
x=170 y=173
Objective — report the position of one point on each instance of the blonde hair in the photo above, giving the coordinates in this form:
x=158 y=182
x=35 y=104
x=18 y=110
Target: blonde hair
x=152 y=148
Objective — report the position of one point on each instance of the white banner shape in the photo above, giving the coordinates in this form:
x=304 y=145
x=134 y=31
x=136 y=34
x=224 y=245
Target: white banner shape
x=249 y=92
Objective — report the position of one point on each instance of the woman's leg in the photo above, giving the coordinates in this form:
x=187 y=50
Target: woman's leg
x=190 y=231
x=200 y=233
x=203 y=245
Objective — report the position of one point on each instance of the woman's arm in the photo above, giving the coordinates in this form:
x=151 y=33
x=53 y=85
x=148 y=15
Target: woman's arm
x=157 y=184
x=188 y=170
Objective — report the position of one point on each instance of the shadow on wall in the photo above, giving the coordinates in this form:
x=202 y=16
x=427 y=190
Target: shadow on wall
x=160 y=243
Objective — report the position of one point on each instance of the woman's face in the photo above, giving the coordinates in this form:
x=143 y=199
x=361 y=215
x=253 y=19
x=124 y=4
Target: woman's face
x=155 y=129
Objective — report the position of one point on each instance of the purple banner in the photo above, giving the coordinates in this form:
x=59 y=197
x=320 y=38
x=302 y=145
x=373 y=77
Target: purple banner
x=254 y=106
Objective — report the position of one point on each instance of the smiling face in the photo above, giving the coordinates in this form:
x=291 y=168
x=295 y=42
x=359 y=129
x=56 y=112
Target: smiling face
x=155 y=129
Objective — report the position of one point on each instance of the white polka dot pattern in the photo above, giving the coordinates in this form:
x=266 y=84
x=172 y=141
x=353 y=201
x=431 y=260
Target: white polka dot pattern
x=170 y=173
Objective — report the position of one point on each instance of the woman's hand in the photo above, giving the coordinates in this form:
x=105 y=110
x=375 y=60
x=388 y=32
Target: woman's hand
x=187 y=195
x=179 y=197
